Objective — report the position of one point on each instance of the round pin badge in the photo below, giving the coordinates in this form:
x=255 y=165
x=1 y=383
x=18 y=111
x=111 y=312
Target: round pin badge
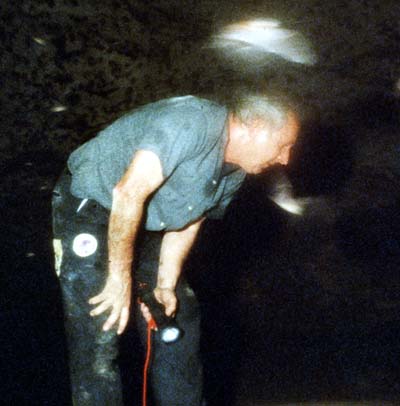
x=84 y=245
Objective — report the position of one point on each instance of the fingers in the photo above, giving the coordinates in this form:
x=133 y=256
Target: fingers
x=145 y=312
x=170 y=302
x=96 y=299
x=112 y=319
x=122 y=315
x=115 y=295
x=116 y=314
x=123 y=320
x=170 y=307
x=100 y=309
x=168 y=298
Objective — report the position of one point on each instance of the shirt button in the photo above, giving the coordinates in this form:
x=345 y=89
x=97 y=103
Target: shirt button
x=214 y=182
x=190 y=208
x=162 y=224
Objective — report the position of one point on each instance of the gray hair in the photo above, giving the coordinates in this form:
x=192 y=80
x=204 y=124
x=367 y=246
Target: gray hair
x=251 y=109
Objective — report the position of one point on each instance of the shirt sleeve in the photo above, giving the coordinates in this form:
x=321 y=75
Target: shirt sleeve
x=174 y=135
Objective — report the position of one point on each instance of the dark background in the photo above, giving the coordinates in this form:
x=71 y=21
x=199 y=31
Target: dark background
x=295 y=309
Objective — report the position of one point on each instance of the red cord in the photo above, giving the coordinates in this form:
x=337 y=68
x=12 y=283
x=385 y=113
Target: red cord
x=151 y=325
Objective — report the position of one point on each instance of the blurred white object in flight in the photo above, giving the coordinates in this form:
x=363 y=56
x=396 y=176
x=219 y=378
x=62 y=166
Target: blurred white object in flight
x=57 y=108
x=40 y=41
x=282 y=195
x=252 y=40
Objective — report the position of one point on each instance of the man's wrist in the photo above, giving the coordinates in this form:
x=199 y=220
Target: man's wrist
x=166 y=285
x=119 y=267
x=167 y=277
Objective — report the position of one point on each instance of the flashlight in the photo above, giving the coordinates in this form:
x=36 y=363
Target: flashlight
x=167 y=326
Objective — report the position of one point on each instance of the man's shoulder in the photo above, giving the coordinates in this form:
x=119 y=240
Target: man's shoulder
x=189 y=113
x=173 y=109
x=188 y=103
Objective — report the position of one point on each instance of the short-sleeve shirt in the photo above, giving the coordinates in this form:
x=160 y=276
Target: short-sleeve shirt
x=189 y=135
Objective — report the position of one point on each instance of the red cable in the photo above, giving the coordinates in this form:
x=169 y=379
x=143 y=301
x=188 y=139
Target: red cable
x=151 y=325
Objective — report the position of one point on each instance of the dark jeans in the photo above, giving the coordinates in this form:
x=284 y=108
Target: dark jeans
x=176 y=372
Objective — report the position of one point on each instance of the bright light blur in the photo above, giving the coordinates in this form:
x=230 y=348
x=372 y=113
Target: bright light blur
x=170 y=334
x=254 y=39
x=289 y=204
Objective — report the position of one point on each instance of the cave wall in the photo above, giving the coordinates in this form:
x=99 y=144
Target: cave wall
x=68 y=68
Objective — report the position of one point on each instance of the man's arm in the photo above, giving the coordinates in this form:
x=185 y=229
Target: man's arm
x=175 y=248
x=143 y=177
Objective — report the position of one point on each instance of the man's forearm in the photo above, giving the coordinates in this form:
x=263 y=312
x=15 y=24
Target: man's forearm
x=141 y=179
x=175 y=248
x=126 y=216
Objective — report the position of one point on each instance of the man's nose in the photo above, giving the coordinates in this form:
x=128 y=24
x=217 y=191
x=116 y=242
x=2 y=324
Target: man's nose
x=283 y=157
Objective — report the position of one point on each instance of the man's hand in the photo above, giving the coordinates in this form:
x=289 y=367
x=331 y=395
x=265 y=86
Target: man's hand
x=175 y=247
x=117 y=295
x=166 y=297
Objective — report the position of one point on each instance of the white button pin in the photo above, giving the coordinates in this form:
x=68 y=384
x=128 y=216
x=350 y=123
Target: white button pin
x=84 y=245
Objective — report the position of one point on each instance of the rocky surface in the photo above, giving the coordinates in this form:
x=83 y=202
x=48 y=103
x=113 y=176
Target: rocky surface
x=70 y=68
x=311 y=309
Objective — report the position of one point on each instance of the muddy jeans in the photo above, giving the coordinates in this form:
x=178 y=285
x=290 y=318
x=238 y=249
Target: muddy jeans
x=80 y=244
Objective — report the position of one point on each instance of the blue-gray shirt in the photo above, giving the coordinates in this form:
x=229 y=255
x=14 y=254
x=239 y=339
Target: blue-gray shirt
x=189 y=136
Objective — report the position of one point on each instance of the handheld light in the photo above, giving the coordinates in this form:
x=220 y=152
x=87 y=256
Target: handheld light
x=167 y=326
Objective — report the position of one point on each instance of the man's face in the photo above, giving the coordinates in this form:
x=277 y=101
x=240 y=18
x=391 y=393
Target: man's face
x=261 y=148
